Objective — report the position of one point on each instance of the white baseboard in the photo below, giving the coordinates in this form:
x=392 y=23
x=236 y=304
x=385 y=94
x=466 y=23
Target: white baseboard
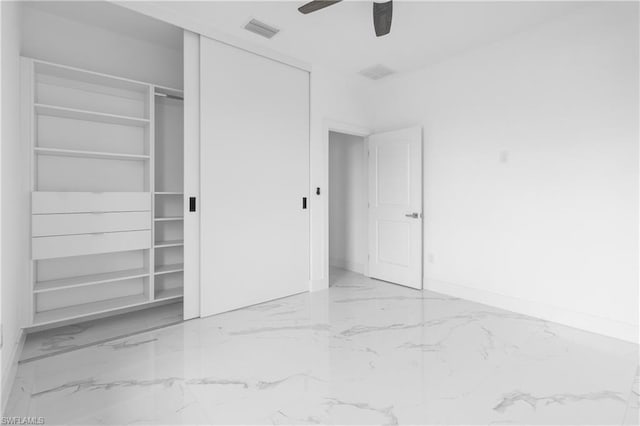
x=349 y=265
x=319 y=284
x=8 y=376
x=588 y=322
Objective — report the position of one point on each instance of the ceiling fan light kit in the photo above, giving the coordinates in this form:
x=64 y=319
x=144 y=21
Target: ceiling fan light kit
x=382 y=13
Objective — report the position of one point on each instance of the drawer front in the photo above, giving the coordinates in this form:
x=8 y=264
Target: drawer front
x=43 y=225
x=87 y=202
x=78 y=245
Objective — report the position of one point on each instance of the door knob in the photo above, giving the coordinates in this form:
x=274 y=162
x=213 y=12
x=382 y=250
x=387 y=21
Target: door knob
x=413 y=215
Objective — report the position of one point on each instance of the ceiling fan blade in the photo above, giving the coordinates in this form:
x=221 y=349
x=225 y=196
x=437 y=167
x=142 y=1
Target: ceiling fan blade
x=382 y=13
x=314 y=5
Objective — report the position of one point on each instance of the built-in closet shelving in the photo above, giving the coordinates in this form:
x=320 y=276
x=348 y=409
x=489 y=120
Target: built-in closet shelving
x=107 y=201
x=168 y=198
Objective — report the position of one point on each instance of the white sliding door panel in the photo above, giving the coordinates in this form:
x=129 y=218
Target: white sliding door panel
x=254 y=173
x=395 y=207
x=191 y=253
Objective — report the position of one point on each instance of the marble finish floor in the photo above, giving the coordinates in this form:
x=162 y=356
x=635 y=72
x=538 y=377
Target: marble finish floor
x=45 y=343
x=363 y=352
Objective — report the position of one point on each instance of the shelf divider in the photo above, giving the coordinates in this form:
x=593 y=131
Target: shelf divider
x=79 y=114
x=172 y=293
x=77 y=311
x=168 y=269
x=87 y=280
x=169 y=243
x=89 y=154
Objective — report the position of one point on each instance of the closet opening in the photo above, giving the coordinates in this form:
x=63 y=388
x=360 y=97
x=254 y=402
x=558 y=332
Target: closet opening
x=106 y=172
x=348 y=196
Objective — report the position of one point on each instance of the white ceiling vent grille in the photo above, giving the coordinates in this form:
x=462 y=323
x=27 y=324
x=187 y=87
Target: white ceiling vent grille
x=376 y=72
x=261 y=28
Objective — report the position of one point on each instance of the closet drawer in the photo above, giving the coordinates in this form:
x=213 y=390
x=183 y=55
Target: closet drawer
x=87 y=202
x=78 y=245
x=43 y=225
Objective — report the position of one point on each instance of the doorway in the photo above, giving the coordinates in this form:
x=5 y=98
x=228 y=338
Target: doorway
x=375 y=205
x=348 y=196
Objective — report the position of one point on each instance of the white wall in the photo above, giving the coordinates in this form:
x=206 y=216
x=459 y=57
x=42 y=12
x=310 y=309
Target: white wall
x=334 y=99
x=347 y=202
x=531 y=168
x=15 y=197
x=70 y=42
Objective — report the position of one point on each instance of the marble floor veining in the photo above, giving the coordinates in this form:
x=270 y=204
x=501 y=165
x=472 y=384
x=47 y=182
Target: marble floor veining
x=362 y=352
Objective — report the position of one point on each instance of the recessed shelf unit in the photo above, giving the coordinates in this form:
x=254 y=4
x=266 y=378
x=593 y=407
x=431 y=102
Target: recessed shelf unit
x=107 y=211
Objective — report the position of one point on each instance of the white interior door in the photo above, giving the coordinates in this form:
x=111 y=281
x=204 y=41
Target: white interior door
x=395 y=207
x=254 y=174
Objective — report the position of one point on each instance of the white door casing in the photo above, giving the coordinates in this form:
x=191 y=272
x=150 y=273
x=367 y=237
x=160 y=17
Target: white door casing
x=395 y=206
x=254 y=173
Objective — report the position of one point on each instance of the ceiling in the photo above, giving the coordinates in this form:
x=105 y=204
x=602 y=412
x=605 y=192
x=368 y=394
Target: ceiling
x=340 y=37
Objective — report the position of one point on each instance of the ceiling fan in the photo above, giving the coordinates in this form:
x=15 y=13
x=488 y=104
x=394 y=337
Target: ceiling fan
x=382 y=13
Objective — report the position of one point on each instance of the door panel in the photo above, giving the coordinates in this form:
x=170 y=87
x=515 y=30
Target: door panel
x=254 y=173
x=395 y=194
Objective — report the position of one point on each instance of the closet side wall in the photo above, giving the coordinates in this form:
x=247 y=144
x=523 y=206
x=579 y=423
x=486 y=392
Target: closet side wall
x=15 y=198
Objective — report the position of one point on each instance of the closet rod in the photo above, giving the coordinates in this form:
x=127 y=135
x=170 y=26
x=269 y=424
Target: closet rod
x=165 y=95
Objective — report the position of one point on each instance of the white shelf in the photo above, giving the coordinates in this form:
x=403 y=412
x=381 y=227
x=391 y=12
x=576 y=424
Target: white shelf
x=170 y=243
x=90 y=77
x=86 y=280
x=78 y=114
x=169 y=90
x=168 y=219
x=85 y=309
x=173 y=293
x=169 y=193
x=89 y=154
x=168 y=269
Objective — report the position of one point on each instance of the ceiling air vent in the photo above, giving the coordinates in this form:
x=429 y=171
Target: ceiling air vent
x=376 y=72
x=261 y=28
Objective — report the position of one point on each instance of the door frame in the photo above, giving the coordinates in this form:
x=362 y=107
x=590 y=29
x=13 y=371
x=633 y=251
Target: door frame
x=330 y=125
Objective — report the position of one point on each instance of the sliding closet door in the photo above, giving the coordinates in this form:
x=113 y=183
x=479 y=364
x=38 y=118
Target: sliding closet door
x=254 y=174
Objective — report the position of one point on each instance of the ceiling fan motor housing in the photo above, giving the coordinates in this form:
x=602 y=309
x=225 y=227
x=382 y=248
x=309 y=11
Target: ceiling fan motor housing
x=382 y=14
